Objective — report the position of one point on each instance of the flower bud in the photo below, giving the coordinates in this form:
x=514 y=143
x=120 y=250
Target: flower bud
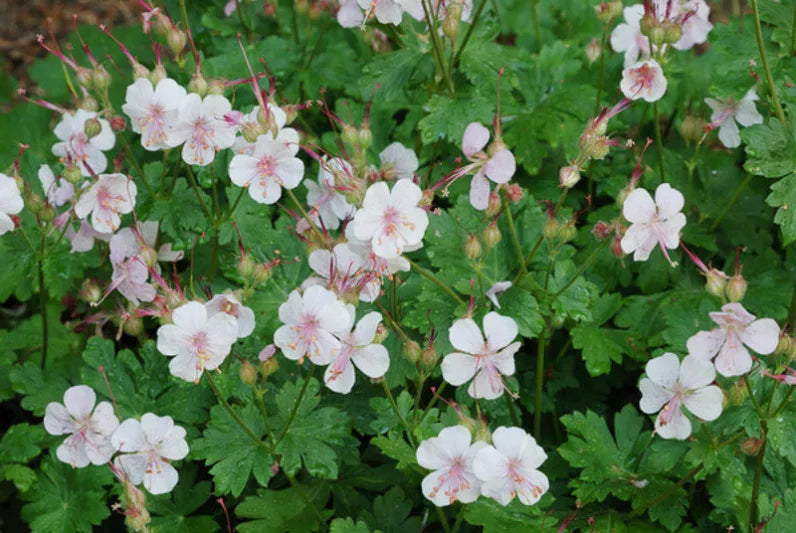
x=262 y=273
x=736 y=288
x=89 y=103
x=597 y=147
x=140 y=71
x=301 y=6
x=118 y=123
x=216 y=86
x=455 y=9
x=608 y=11
x=157 y=75
x=785 y=345
x=514 y=192
x=751 y=445
x=248 y=374
x=381 y=334
x=92 y=127
x=551 y=229
x=269 y=366
x=472 y=247
x=412 y=351
x=601 y=231
x=616 y=247
x=715 y=282
x=657 y=35
x=450 y=27
x=593 y=50
x=198 y=85
x=133 y=326
x=736 y=395
x=72 y=174
x=47 y=213
x=35 y=203
x=428 y=358
x=491 y=235
x=90 y=292
x=672 y=33
x=647 y=23
x=84 y=76
x=365 y=137
x=567 y=231
x=176 y=40
x=691 y=128
x=100 y=79
x=350 y=135
x=427 y=199
x=557 y=321
x=252 y=130
x=621 y=197
x=149 y=255
x=568 y=176
x=493 y=204
x=481 y=431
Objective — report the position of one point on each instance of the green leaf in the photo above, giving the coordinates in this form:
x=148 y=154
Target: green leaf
x=496 y=518
x=347 y=525
x=600 y=346
x=524 y=309
x=278 y=511
x=783 y=196
x=21 y=476
x=447 y=118
x=770 y=148
x=391 y=513
x=38 y=390
x=176 y=507
x=396 y=448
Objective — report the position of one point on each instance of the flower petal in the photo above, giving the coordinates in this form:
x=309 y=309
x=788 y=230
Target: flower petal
x=465 y=335
x=761 y=335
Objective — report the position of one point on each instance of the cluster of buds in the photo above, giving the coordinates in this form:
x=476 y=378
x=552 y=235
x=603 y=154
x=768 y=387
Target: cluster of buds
x=613 y=230
x=250 y=374
x=728 y=288
x=662 y=28
x=450 y=24
x=607 y=12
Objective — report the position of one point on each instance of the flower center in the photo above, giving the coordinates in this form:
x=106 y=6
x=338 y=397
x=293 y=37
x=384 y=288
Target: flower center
x=522 y=484
x=201 y=138
x=453 y=481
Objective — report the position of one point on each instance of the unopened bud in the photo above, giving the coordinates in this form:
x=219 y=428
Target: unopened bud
x=100 y=79
x=140 y=71
x=92 y=127
x=597 y=147
x=301 y=6
x=607 y=11
x=736 y=394
x=72 y=174
x=84 y=76
x=472 y=247
x=216 y=86
x=621 y=196
x=381 y=334
x=557 y=321
x=601 y=231
x=248 y=374
x=262 y=273
x=567 y=231
x=176 y=39
x=568 y=176
x=551 y=229
x=269 y=366
x=514 y=192
x=672 y=33
x=450 y=27
x=133 y=326
x=198 y=85
x=149 y=255
x=455 y=9
x=428 y=358
x=715 y=282
x=157 y=75
x=491 y=235
x=616 y=247
x=647 y=23
x=751 y=445
x=412 y=351
x=736 y=288
x=365 y=137
x=350 y=135
x=785 y=346
x=657 y=35
x=691 y=128
x=246 y=266
x=252 y=130
x=493 y=204
x=427 y=199
x=593 y=50
x=35 y=203
x=90 y=292
x=118 y=123
x=47 y=213
x=89 y=103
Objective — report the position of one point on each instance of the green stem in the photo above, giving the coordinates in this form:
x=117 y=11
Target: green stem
x=537 y=412
x=246 y=429
x=432 y=24
x=459 y=518
x=431 y=402
x=294 y=23
x=515 y=419
x=211 y=272
x=668 y=492
x=132 y=160
x=537 y=27
x=296 y=405
x=394 y=405
x=601 y=72
x=469 y=34
x=264 y=413
x=513 y=231
x=658 y=139
x=307 y=501
x=235 y=204
x=184 y=13
x=246 y=30
x=792 y=312
x=753 y=505
x=305 y=215
x=43 y=308
x=754 y=400
x=766 y=67
x=434 y=279
x=582 y=267
x=195 y=186
x=443 y=520
x=729 y=205
x=783 y=403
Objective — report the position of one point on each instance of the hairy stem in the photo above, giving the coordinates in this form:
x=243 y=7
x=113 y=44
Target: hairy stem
x=658 y=139
x=436 y=281
x=296 y=405
x=431 y=19
x=753 y=505
x=202 y=203
x=766 y=67
x=246 y=429
x=536 y=25
x=394 y=405
x=513 y=231
x=792 y=312
x=43 y=309
x=305 y=215
x=469 y=33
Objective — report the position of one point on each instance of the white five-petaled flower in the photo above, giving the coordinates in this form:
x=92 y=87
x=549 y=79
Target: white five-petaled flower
x=83 y=239
x=488 y=360
x=312 y=323
x=201 y=128
x=112 y=195
x=199 y=342
x=11 y=202
x=653 y=222
x=398 y=162
x=354 y=13
x=509 y=467
x=643 y=80
x=272 y=165
x=498 y=167
x=89 y=432
x=277 y=119
x=340 y=271
x=153 y=111
x=148 y=447
x=727 y=343
x=75 y=147
x=357 y=349
x=391 y=220
x=627 y=36
x=58 y=191
x=375 y=267
x=326 y=203
x=727 y=112
x=229 y=304
x=696 y=26
x=450 y=455
x=671 y=385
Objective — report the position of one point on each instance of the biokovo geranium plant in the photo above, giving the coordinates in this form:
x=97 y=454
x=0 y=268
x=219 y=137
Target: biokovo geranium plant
x=402 y=266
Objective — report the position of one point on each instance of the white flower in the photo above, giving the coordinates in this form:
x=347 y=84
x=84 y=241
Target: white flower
x=509 y=467
x=150 y=445
x=339 y=271
x=727 y=343
x=311 y=322
x=498 y=167
x=272 y=165
x=398 y=162
x=627 y=36
x=227 y=303
x=653 y=222
x=375 y=267
x=695 y=27
x=358 y=350
x=58 y=191
x=201 y=128
x=76 y=147
x=112 y=195
x=488 y=360
x=199 y=342
x=354 y=13
x=496 y=289
x=643 y=80
x=277 y=117
x=671 y=384
x=89 y=432
x=153 y=112
x=326 y=203
x=727 y=112
x=391 y=220
x=450 y=456
x=83 y=239
x=11 y=202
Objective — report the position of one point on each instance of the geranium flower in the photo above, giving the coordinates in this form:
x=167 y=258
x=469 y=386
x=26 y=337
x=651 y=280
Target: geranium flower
x=83 y=239
x=398 y=162
x=150 y=446
x=201 y=128
x=277 y=118
x=696 y=25
x=339 y=271
x=272 y=165
x=58 y=191
x=727 y=112
x=354 y=13
x=509 y=467
x=199 y=342
x=112 y=195
x=326 y=203
x=153 y=112
x=643 y=80
x=375 y=267
x=311 y=323
x=450 y=455
x=89 y=428
x=357 y=349
x=11 y=202
x=229 y=304
x=391 y=220
x=499 y=167
x=653 y=222
x=496 y=289
x=488 y=360
x=627 y=36
x=671 y=384
x=727 y=343
x=76 y=146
